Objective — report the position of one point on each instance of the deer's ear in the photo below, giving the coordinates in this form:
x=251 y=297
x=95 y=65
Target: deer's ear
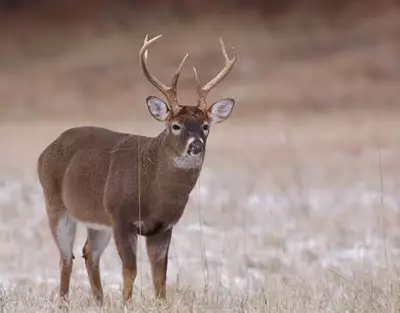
x=157 y=108
x=221 y=110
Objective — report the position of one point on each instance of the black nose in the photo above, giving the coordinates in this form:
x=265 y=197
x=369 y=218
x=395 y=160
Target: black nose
x=196 y=147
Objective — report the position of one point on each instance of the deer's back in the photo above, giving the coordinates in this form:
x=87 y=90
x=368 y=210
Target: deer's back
x=54 y=160
x=90 y=146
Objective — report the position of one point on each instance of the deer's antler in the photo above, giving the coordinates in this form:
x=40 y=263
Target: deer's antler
x=203 y=91
x=169 y=92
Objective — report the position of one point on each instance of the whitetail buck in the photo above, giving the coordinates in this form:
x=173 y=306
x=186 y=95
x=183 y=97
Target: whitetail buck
x=127 y=185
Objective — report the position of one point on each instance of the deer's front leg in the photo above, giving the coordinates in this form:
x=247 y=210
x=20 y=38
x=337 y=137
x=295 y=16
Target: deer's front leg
x=126 y=242
x=157 y=250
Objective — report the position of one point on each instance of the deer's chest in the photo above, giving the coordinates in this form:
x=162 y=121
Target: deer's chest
x=170 y=210
x=162 y=214
x=157 y=220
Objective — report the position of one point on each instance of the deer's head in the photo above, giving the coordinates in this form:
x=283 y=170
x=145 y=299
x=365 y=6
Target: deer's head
x=187 y=126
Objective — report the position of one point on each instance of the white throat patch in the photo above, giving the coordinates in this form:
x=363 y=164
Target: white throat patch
x=188 y=161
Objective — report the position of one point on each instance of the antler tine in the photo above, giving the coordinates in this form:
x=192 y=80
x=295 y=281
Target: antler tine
x=229 y=63
x=178 y=72
x=143 y=62
x=225 y=71
x=198 y=84
x=201 y=99
x=223 y=48
x=169 y=92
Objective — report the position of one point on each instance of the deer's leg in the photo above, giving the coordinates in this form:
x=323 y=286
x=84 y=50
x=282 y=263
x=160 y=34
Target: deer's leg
x=63 y=228
x=96 y=242
x=157 y=250
x=126 y=242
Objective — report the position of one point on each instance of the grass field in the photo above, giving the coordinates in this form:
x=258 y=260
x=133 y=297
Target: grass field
x=297 y=207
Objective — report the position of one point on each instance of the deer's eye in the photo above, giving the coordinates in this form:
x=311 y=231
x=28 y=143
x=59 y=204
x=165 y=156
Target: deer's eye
x=206 y=127
x=176 y=127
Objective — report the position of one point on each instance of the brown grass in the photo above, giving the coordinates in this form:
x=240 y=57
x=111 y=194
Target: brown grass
x=331 y=293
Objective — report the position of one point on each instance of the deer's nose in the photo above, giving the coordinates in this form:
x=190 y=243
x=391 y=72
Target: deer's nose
x=196 y=147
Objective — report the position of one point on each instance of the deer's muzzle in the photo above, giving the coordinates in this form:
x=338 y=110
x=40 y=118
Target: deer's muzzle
x=196 y=147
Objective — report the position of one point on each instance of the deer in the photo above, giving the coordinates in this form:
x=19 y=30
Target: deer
x=123 y=185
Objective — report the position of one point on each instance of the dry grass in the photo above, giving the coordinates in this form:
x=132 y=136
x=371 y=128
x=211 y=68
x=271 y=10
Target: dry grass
x=299 y=212
x=331 y=293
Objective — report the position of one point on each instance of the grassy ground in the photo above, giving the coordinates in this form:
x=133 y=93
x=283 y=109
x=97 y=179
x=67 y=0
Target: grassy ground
x=328 y=294
x=296 y=210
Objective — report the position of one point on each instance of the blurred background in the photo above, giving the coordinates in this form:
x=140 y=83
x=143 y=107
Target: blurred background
x=299 y=191
x=69 y=59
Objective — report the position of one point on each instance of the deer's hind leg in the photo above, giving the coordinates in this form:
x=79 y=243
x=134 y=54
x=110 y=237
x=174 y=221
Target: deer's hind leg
x=63 y=229
x=96 y=242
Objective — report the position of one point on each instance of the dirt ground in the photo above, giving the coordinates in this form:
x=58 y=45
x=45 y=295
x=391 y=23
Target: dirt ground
x=297 y=207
